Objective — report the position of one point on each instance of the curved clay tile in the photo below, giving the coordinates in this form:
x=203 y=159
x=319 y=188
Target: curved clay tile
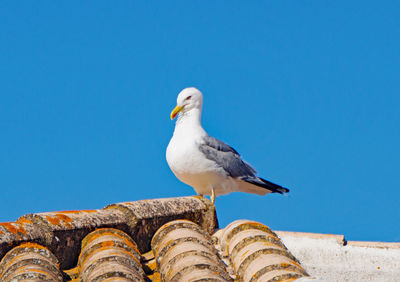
x=29 y=262
x=184 y=252
x=257 y=254
x=112 y=254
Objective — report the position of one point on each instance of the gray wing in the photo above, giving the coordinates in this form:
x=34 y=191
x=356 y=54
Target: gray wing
x=229 y=159
x=226 y=157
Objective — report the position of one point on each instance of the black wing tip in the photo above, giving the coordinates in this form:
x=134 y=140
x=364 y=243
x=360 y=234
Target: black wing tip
x=282 y=190
x=275 y=188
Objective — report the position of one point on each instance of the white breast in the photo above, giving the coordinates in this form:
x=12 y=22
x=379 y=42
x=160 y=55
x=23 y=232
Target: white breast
x=190 y=166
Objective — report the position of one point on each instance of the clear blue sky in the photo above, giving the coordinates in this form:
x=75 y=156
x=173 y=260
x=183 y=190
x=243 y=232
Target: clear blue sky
x=308 y=92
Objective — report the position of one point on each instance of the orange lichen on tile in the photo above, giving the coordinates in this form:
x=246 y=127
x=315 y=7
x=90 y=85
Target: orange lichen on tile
x=57 y=218
x=32 y=245
x=152 y=265
x=155 y=277
x=13 y=227
x=78 y=211
x=38 y=271
x=296 y=264
x=67 y=220
x=73 y=273
x=107 y=244
x=53 y=220
x=94 y=236
x=24 y=221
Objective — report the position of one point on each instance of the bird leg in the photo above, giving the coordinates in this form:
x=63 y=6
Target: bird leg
x=212 y=195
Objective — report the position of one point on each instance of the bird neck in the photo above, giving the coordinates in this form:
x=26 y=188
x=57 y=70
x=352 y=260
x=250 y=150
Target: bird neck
x=190 y=120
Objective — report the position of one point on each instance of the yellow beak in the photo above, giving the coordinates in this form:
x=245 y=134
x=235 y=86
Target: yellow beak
x=176 y=111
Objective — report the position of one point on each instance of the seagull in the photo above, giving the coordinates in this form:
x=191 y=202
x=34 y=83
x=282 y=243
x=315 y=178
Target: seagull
x=205 y=163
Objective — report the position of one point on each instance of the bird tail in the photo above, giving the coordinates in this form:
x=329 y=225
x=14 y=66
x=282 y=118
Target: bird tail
x=262 y=183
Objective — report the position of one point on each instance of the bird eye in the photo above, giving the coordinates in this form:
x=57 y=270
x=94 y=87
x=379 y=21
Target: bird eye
x=188 y=97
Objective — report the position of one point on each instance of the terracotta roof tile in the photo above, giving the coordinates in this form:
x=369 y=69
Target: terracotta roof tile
x=184 y=252
x=62 y=232
x=109 y=253
x=146 y=216
x=30 y=261
x=255 y=252
x=159 y=240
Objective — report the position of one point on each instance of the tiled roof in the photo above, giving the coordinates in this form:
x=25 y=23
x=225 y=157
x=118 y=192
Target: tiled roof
x=174 y=239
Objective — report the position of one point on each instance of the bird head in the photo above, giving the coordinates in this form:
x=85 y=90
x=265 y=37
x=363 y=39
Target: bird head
x=188 y=99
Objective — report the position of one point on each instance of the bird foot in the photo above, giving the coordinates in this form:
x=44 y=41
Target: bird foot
x=212 y=196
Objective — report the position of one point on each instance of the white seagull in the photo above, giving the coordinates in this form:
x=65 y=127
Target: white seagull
x=207 y=164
